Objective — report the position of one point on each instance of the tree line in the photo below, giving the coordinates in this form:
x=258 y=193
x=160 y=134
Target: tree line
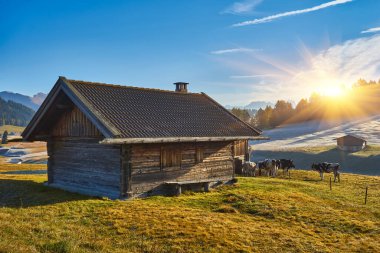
x=362 y=100
x=13 y=113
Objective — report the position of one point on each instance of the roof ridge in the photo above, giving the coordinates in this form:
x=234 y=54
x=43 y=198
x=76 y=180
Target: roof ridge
x=353 y=135
x=129 y=87
x=99 y=115
x=231 y=114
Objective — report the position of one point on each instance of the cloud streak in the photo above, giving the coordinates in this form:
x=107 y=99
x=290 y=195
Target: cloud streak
x=235 y=50
x=350 y=60
x=249 y=76
x=372 y=30
x=291 y=13
x=341 y=64
x=242 y=7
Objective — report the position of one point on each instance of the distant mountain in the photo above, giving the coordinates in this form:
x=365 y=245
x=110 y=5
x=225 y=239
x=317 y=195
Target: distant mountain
x=16 y=114
x=254 y=105
x=31 y=102
x=39 y=98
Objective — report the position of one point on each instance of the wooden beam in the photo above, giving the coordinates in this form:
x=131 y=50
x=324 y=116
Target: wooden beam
x=178 y=139
x=125 y=173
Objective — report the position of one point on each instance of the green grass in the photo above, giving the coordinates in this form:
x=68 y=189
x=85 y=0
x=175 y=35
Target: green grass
x=258 y=214
x=366 y=161
x=10 y=128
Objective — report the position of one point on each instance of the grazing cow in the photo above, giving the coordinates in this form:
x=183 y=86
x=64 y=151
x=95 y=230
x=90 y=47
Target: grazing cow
x=268 y=167
x=327 y=168
x=273 y=168
x=285 y=165
x=249 y=169
x=260 y=167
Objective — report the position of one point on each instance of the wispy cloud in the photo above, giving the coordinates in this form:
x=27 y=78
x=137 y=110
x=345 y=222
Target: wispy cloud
x=242 y=7
x=347 y=62
x=372 y=30
x=276 y=78
x=291 y=13
x=249 y=76
x=235 y=50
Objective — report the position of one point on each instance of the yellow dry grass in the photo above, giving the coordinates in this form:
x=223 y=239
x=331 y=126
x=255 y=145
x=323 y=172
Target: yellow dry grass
x=10 y=128
x=300 y=214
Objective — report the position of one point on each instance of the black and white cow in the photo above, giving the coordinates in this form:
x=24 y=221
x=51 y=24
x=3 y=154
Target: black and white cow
x=285 y=165
x=268 y=167
x=327 y=168
x=249 y=169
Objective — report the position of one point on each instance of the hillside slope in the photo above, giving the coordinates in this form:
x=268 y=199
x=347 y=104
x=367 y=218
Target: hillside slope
x=12 y=113
x=319 y=134
x=31 y=102
x=10 y=128
x=255 y=215
x=364 y=162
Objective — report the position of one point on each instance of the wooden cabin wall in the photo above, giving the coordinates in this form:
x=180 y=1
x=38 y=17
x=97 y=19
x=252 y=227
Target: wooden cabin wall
x=241 y=154
x=148 y=171
x=77 y=162
x=83 y=165
x=74 y=123
x=240 y=148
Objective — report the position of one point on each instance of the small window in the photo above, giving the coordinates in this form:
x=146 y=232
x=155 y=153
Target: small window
x=170 y=157
x=199 y=155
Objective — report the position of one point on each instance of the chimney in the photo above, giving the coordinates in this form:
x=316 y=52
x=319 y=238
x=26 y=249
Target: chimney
x=181 y=87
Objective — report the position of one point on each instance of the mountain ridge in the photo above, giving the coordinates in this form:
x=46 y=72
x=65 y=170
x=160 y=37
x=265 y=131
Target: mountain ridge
x=33 y=102
x=13 y=113
x=254 y=105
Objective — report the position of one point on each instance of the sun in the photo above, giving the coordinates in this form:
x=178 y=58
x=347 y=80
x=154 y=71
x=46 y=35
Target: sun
x=332 y=91
x=331 y=88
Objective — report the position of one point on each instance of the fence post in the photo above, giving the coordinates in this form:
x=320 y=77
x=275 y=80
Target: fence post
x=366 y=194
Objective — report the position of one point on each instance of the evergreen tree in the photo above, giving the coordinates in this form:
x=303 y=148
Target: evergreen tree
x=241 y=114
x=4 y=139
x=13 y=113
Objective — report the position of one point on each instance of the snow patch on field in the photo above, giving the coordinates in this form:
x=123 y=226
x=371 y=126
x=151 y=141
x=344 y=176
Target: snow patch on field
x=319 y=134
x=31 y=153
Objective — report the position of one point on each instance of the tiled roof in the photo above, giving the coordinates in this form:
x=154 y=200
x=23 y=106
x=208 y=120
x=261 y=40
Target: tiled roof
x=152 y=113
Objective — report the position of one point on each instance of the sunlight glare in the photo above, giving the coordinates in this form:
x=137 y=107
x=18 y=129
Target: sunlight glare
x=332 y=91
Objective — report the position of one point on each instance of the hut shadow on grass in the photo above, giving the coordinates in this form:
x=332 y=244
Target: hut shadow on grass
x=28 y=193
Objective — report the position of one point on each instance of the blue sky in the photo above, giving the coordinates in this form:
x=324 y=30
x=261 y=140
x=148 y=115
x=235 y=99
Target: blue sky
x=236 y=51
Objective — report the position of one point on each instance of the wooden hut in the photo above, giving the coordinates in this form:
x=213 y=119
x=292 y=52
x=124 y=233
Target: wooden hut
x=351 y=143
x=119 y=141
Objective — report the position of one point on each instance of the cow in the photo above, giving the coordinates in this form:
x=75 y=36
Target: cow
x=268 y=167
x=249 y=169
x=327 y=168
x=260 y=166
x=285 y=165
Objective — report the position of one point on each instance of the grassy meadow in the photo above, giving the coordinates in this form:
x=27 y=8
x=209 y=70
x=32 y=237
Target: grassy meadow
x=366 y=161
x=10 y=128
x=260 y=214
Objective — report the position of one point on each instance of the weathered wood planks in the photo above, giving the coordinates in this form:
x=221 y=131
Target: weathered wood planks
x=84 y=164
x=148 y=171
x=74 y=123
